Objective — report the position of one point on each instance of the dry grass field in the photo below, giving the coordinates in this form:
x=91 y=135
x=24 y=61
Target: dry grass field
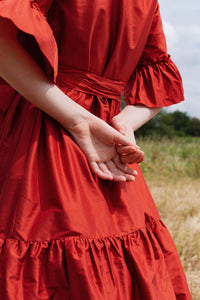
x=172 y=171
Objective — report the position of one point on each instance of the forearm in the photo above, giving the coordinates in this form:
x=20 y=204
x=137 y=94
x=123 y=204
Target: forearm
x=137 y=115
x=19 y=69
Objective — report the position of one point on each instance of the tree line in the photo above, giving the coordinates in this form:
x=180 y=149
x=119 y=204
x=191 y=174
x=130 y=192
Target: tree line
x=172 y=124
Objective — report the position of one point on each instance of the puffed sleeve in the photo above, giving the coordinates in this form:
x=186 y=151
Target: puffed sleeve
x=156 y=81
x=29 y=17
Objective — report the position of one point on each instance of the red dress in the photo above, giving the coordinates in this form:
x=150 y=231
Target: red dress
x=64 y=233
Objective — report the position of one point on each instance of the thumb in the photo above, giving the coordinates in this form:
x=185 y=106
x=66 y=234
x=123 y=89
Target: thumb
x=108 y=134
x=120 y=139
x=119 y=127
x=122 y=128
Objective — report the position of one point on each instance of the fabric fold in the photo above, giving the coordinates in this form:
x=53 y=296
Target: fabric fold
x=93 y=268
x=27 y=16
x=90 y=83
x=64 y=232
x=155 y=84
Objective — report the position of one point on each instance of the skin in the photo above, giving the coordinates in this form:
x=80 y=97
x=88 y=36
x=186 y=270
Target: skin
x=108 y=148
x=131 y=118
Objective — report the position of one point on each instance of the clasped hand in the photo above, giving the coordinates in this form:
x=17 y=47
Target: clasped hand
x=108 y=151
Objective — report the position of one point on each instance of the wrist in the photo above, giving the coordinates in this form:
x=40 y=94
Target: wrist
x=63 y=109
x=136 y=115
x=125 y=118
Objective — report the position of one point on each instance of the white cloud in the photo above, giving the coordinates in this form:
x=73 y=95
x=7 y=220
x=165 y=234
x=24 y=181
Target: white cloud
x=181 y=24
x=170 y=33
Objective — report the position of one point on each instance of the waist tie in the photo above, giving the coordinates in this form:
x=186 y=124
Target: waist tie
x=90 y=83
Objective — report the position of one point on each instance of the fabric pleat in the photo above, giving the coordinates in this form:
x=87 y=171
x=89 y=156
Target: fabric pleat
x=81 y=268
x=27 y=16
x=155 y=85
x=65 y=233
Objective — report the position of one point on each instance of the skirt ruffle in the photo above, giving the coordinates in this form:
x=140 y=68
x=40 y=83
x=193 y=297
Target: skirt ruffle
x=140 y=265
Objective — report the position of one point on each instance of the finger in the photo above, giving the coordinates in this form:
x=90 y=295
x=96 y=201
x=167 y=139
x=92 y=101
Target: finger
x=96 y=170
x=129 y=172
x=124 y=167
x=121 y=149
x=118 y=138
x=119 y=127
x=132 y=158
x=108 y=134
x=133 y=146
x=117 y=174
x=103 y=167
x=130 y=178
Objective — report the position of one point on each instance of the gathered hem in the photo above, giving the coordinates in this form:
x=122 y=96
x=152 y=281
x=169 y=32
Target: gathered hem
x=140 y=264
x=155 y=84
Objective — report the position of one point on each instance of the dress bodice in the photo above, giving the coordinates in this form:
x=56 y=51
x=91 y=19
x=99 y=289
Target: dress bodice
x=104 y=37
x=121 y=40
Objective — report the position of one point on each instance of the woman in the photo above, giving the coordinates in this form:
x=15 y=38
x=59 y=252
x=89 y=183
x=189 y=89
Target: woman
x=76 y=221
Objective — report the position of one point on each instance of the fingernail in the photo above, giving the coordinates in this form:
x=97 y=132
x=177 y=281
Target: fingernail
x=121 y=131
x=132 y=179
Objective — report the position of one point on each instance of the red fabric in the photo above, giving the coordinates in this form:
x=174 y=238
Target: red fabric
x=65 y=234
x=26 y=15
x=155 y=85
x=90 y=83
x=156 y=81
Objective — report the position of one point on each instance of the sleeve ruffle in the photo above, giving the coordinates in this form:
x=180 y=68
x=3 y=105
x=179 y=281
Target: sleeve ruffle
x=156 y=84
x=27 y=16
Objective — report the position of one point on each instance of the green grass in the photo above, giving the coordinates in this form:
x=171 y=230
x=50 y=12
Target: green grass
x=178 y=157
x=172 y=171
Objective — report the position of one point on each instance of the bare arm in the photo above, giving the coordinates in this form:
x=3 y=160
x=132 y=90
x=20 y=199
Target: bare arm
x=19 y=69
x=131 y=118
x=96 y=138
x=137 y=115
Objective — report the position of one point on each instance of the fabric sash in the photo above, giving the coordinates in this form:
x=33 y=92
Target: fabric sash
x=90 y=83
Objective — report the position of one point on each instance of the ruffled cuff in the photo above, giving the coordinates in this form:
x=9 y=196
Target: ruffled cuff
x=155 y=85
x=27 y=16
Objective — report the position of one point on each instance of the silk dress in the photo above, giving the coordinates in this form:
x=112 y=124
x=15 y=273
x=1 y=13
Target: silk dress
x=65 y=233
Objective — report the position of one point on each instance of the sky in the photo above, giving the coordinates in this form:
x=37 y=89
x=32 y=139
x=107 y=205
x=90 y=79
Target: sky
x=181 y=22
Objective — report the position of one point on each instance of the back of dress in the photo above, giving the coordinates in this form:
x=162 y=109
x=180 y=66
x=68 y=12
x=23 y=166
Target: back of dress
x=102 y=37
x=65 y=233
